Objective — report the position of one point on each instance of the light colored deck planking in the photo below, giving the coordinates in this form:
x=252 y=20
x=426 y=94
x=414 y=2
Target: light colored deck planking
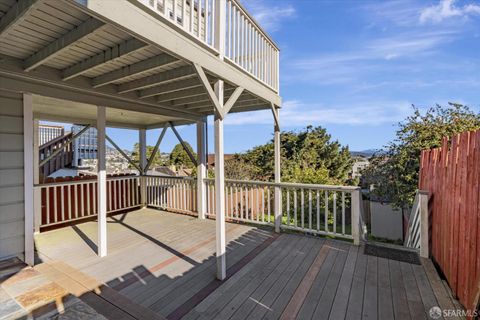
x=158 y=265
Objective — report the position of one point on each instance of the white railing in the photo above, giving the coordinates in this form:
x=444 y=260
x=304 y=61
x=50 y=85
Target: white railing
x=172 y=193
x=314 y=209
x=180 y=13
x=69 y=201
x=309 y=208
x=417 y=233
x=247 y=45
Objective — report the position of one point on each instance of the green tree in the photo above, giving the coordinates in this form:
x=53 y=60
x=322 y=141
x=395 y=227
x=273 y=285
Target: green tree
x=394 y=173
x=307 y=156
x=157 y=161
x=179 y=156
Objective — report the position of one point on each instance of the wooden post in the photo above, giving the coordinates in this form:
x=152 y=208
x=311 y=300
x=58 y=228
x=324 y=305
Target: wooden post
x=201 y=169
x=278 y=190
x=220 y=16
x=37 y=202
x=356 y=203
x=220 y=189
x=28 y=163
x=424 y=225
x=142 y=146
x=102 y=183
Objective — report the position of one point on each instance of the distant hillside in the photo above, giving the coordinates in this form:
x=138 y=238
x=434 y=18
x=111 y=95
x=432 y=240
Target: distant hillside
x=365 y=153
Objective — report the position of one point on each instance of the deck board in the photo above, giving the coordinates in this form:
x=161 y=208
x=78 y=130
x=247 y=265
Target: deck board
x=165 y=262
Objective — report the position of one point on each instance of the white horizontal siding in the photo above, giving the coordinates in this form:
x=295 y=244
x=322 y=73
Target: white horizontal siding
x=12 y=241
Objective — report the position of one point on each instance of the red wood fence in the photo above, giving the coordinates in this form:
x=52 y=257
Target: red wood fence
x=451 y=174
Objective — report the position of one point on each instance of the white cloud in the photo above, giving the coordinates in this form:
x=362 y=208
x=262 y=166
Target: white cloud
x=298 y=113
x=269 y=17
x=446 y=9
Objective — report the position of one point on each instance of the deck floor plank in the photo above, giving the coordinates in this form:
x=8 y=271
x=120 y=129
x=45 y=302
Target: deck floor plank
x=252 y=283
x=385 y=300
x=293 y=283
x=355 y=299
x=399 y=296
x=266 y=304
x=415 y=304
x=340 y=303
x=165 y=262
x=324 y=306
x=257 y=297
x=370 y=297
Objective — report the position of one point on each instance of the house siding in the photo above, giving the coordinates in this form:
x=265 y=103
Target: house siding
x=12 y=226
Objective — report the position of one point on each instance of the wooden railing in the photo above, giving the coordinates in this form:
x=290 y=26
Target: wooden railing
x=314 y=209
x=71 y=201
x=59 y=161
x=247 y=45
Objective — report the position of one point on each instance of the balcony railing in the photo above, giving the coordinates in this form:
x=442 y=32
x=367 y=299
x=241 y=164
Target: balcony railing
x=246 y=45
x=313 y=209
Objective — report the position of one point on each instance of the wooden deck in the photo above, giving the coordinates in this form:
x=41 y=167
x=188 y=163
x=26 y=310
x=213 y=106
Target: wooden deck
x=165 y=262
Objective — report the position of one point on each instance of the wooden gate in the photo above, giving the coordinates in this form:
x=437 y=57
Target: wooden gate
x=451 y=174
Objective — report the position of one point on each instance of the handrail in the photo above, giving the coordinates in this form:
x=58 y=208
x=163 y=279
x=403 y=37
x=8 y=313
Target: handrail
x=293 y=185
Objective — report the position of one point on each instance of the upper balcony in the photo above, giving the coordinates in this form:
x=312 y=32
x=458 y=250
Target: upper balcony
x=246 y=45
x=137 y=55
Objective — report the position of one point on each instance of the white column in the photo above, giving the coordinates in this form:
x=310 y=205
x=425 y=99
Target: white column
x=102 y=183
x=37 y=210
x=201 y=169
x=28 y=177
x=142 y=149
x=142 y=141
x=356 y=203
x=278 y=190
x=220 y=189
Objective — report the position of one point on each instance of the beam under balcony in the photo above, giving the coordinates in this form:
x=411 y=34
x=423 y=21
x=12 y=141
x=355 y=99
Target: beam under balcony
x=109 y=55
x=63 y=43
x=148 y=82
x=151 y=64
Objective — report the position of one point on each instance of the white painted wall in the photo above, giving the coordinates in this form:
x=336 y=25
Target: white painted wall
x=11 y=175
x=385 y=221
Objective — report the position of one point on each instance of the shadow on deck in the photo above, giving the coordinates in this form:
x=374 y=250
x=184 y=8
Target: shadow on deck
x=162 y=265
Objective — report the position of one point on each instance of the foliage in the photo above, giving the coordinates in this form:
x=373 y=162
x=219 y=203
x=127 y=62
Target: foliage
x=179 y=157
x=237 y=168
x=307 y=156
x=157 y=161
x=394 y=173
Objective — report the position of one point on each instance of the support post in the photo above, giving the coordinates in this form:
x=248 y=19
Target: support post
x=37 y=209
x=201 y=169
x=220 y=189
x=28 y=162
x=142 y=148
x=424 y=225
x=356 y=203
x=278 y=190
x=102 y=182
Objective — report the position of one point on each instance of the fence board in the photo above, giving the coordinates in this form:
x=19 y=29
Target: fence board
x=451 y=174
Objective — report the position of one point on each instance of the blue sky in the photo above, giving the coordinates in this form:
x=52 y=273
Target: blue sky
x=356 y=67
